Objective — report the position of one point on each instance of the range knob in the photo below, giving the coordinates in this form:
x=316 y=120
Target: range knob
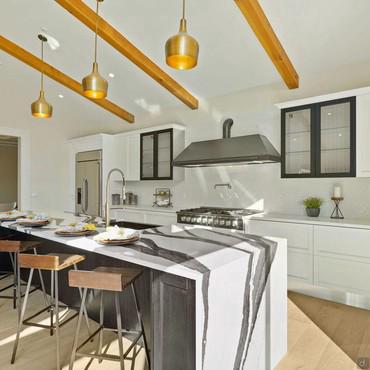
x=188 y=219
x=193 y=220
x=235 y=224
x=228 y=223
x=215 y=221
x=204 y=221
x=183 y=218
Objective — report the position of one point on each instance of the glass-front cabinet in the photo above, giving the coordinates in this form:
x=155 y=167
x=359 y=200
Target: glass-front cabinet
x=156 y=150
x=318 y=140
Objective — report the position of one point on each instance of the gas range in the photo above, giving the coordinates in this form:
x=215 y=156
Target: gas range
x=225 y=218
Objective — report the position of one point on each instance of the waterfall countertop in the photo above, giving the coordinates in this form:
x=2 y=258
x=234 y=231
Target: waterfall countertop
x=231 y=271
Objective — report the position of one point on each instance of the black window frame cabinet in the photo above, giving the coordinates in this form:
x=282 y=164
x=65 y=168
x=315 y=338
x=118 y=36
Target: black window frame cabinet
x=315 y=144
x=155 y=155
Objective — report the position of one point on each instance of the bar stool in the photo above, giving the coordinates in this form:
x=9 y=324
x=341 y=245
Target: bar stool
x=116 y=280
x=53 y=263
x=14 y=248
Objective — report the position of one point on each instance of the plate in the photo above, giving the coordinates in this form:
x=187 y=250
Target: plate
x=75 y=233
x=119 y=242
x=33 y=223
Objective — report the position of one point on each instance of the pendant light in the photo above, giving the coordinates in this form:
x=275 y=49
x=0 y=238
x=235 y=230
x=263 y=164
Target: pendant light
x=41 y=108
x=182 y=49
x=94 y=85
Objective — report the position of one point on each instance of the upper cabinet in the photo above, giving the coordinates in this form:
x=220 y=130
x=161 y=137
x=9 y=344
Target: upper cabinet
x=156 y=154
x=319 y=139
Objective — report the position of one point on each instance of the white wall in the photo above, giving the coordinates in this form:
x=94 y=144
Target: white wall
x=253 y=111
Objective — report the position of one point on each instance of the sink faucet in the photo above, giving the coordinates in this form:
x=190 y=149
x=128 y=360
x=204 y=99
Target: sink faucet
x=107 y=208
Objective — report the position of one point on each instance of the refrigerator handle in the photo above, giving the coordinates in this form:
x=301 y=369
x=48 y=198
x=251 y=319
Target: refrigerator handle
x=84 y=202
x=86 y=185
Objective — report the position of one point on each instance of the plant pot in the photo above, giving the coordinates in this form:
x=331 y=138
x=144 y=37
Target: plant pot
x=313 y=212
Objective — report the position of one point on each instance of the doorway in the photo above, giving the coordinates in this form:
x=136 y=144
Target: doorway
x=8 y=172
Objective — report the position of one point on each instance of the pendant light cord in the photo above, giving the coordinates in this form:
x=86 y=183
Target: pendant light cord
x=42 y=70
x=96 y=29
x=183 y=9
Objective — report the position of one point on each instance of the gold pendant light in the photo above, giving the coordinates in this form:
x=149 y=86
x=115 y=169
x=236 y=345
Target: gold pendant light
x=94 y=85
x=182 y=49
x=41 y=108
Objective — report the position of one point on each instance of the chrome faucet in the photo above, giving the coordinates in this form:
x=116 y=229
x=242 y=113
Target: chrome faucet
x=107 y=208
x=228 y=185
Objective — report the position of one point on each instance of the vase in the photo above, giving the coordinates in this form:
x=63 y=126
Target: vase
x=313 y=212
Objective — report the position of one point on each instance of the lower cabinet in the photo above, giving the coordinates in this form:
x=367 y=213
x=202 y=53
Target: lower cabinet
x=331 y=260
x=144 y=217
x=173 y=340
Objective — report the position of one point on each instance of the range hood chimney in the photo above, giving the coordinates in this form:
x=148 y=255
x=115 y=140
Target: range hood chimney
x=228 y=151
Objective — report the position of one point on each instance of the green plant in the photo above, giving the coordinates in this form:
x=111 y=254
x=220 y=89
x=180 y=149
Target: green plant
x=312 y=202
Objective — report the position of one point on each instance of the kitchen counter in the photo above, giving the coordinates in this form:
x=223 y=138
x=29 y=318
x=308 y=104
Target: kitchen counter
x=324 y=221
x=237 y=280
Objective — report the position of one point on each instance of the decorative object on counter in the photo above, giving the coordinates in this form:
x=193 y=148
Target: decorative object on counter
x=162 y=197
x=226 y=185
x=337 y=193
x=116 y=199
x=11 y=215
x=41 y=108
x=337 y=213
x=312 y=205
x=117 y=236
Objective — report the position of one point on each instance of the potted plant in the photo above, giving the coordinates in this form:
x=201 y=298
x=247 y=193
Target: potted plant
x=312 y=205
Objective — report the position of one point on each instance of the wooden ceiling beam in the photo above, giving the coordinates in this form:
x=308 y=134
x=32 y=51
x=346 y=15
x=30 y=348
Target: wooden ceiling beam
x=261 y=26
x=108 y=33
x=58 y=76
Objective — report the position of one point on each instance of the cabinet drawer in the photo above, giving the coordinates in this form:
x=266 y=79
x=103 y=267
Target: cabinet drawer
x=342 y=274
x=300 y=266
x=133 y=216
x=299 y=236
x=342 y=241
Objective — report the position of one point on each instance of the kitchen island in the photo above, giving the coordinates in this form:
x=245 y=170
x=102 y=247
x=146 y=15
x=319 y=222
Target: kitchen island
x=211 y=299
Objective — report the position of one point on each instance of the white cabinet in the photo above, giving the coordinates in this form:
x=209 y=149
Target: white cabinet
x=299 y=237
x=145 y=217
x=127 y=154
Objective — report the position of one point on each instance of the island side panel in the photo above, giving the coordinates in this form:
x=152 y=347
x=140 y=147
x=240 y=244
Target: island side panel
x=173 y=317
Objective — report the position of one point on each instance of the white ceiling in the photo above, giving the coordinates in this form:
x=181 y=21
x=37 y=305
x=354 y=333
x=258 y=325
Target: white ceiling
x=318 y=35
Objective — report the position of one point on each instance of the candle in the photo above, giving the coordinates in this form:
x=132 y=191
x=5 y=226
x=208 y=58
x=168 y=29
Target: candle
x=337 y=192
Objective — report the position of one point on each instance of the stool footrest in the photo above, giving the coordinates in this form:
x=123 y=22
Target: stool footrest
x=27 y=322
x=106 y=356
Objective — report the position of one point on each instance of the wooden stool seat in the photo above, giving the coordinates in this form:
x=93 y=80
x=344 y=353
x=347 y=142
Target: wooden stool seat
x=16 y=246
x=53 y=262
x=114 y=279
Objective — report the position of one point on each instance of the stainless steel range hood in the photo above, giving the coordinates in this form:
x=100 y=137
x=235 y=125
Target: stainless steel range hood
x=241 y=150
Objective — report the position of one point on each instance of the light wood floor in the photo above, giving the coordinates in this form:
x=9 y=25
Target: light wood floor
x=322 y=335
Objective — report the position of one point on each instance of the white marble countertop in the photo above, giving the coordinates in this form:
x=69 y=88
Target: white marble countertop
x=324 y=221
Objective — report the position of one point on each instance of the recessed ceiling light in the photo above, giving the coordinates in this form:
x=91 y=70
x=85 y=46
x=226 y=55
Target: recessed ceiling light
x=60 y=96
x=111 y=75
x=330 y=113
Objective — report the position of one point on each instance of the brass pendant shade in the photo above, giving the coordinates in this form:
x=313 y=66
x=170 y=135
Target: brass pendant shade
x=41 y=108
x=182 y=50
x=94 y=85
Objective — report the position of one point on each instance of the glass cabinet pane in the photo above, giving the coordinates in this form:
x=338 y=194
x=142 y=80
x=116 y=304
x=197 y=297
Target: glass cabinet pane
x=298 y=142
x=147 y=156
x=164 y=154
x=335 y=138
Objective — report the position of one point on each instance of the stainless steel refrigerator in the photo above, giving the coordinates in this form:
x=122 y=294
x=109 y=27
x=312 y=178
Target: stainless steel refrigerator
x=89 y=183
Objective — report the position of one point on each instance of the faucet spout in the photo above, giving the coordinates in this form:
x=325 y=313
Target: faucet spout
x=107 y=187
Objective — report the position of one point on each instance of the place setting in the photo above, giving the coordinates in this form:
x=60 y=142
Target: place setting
x=117 y=236
x=76 y=230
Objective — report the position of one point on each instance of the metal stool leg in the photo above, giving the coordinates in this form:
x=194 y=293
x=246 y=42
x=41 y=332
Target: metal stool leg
x=57 y=332
x=52 y=303
x=17 y=280
x=119 y=330
x=75 y=341
x=101 y=322
x=42 y=282
x=15 y=348
x=140 y=319
x=85 y=310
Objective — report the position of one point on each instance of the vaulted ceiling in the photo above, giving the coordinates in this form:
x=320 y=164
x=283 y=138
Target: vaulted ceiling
x=317 y=35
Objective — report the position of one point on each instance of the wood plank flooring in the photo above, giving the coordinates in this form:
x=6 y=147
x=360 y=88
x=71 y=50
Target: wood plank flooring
x=322 y=335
